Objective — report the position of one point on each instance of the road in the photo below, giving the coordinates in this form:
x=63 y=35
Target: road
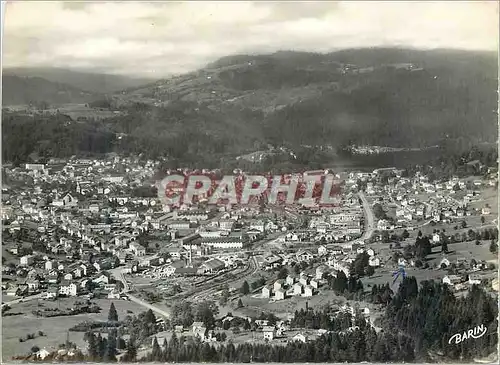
x=149 y=306
x=25 y=299
x=118 y=275
x=369 y=217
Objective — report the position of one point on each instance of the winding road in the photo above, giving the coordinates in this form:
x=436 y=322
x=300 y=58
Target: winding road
x=118 y=274
x=369 y=217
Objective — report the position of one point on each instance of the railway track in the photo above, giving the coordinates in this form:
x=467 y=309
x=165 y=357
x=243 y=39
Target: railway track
x=250 y=270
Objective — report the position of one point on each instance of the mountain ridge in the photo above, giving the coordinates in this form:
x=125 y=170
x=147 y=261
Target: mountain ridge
x=85 y=80
x=240 y=104
x=18 y=90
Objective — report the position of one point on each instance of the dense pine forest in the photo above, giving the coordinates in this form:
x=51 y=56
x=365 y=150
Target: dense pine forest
x=417 y=325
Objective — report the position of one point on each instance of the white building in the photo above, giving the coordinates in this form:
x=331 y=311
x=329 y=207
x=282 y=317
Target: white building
x=299 y=337
x=69 y=290
x=297 y=289
x=269 y=332
x=27 y=260
x=308 y=291
x=223 y=242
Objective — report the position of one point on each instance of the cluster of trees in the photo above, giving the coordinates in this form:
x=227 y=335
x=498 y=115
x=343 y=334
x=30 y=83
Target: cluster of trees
x=386 y=237
x=324 y=319
x=485 y=234
x=381 y=294
x=185 y=313
x=378 y=211
x=359 y=344
x=432 y=314
x=360 y=266
x=340 y=284
x=258 y=283
x=453 y=160
x=104 y=349
x=283 y=273
x=31 y=336
x=142 y=326
x=418 y=320
x=423 y=246
x=52 y=136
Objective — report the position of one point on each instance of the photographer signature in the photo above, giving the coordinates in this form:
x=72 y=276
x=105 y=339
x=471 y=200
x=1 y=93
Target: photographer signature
x=476 y=332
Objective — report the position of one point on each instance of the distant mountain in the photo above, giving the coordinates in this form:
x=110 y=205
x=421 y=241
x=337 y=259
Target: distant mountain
x=379 y=96
x=25 y=90
x=244 y=103
x=93 y=82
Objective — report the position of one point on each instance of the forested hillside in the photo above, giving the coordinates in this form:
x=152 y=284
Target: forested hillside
x=241 y=104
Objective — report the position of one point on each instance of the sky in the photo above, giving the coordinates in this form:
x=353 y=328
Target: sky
x=156 y=39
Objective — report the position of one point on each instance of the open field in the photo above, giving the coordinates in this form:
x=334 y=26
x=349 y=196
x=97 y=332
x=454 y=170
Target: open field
x=55 y=328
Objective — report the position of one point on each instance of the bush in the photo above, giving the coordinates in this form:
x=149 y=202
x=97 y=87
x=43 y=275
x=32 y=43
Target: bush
x=35 y=349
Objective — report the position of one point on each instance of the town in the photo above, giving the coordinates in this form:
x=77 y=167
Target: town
x=88 y=248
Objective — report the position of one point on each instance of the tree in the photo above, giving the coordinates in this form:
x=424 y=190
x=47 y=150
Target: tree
x=245 y=288
x=423 y=247
x=359 y=264
x=283 y=273
x=131 y=353
x=119 y=286
x=240 y=304
x=156 y=352
x=112 y=314
x=150 y=318
x=205 y=312
x=92 y=346
x=493 y=247
x=482 y=219
x=35 y=349
x=340 y=282
x=464 y=224
x=224 y=296
x=110 y=352
x=102 y=345
x=182 y=314
x=444 y=245
x=370 y=270
x=378 y=211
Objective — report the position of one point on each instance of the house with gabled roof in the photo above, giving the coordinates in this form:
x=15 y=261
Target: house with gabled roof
x=304 y=256
x=280 y=294
x=267 y=291
x=269 y=332
x=213 y=265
